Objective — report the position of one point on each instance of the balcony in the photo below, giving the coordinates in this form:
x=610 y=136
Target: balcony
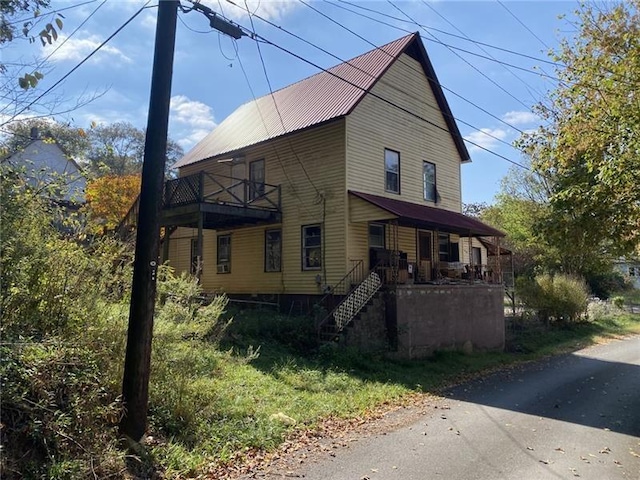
x=219 y=201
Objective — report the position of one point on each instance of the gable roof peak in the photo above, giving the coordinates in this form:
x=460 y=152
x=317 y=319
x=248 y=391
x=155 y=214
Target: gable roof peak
x=328 y=95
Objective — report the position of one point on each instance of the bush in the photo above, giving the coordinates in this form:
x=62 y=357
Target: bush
x=560 y=297
x=603 y=285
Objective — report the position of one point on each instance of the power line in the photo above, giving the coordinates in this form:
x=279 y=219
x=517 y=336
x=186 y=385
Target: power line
x=524 y=25
x=462 y=58
x=53 y=12
x=383 y=14
x=41 y=62
x=257 y=37
x=480 y=47
x=275 y=104
x=64 y=77
x=390 y=85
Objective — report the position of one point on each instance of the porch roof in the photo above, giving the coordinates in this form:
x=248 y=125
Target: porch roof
x=430 y=217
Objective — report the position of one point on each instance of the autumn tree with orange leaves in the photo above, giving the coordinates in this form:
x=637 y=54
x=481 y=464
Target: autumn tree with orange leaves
x=110 y=197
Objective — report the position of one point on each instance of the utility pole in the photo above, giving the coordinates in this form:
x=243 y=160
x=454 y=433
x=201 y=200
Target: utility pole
x=135 y=382
x=137 y=363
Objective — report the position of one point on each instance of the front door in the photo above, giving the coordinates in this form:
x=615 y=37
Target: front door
x=424 y=256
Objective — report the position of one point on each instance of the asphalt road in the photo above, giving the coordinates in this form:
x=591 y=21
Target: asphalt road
x=573 y=416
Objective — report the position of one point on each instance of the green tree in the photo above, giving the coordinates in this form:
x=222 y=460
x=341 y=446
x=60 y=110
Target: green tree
x=590 y=145
x=118 y=149
x=73 y=140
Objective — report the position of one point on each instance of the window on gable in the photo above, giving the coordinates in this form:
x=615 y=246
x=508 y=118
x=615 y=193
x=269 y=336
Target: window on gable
x=273 y=250
x=224 y=254
x=392 y=171
x=429 y=181
x=311 y=247
x=256 y=179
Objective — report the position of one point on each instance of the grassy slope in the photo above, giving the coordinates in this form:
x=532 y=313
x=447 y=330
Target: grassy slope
x=209 y=404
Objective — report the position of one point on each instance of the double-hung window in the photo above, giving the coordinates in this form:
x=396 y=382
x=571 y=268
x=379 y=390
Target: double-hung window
x=391 y=171
x=273 y=250
x=311 y=247
x=256 y=179
x=429 y=181
x=376 y=235
x=224 y=254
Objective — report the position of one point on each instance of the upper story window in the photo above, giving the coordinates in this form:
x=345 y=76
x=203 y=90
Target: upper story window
x=391 y=171
x=429 y=181
x=311 y=247
x=256 y=179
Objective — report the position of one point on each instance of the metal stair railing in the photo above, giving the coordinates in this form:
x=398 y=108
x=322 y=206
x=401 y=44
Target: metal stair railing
x=352 y=303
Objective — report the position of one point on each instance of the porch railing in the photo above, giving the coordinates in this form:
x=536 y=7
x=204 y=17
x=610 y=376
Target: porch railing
x=204 y=187
x=350 y=295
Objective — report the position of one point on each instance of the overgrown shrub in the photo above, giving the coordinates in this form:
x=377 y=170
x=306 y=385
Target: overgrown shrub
x=559 y=298
x=59 y=415
x=603 y=285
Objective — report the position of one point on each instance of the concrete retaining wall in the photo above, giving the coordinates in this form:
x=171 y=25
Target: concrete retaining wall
x=440 y=317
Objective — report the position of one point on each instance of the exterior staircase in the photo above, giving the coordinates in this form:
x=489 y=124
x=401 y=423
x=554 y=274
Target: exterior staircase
x=349 y=307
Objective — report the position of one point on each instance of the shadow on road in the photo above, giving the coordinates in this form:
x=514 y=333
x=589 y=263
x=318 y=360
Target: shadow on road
x=571 y=388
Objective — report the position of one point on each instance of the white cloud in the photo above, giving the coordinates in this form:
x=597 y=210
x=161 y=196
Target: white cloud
x=191 y=120
x=76 y=49
x=149 y=20
x=486 y=137
x=520 y=117
x=269 y=9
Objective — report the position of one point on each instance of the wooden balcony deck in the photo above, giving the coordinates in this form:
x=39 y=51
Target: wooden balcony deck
x=219 y=201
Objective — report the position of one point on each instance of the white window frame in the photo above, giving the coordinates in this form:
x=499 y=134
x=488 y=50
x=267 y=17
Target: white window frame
x=272 y=250
x=429 y=184
x=221 y=261
x=312 y=248
x=391 y=157
x=380 y=226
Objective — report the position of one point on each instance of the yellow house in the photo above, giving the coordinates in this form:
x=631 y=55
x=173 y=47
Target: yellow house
x=334 y=186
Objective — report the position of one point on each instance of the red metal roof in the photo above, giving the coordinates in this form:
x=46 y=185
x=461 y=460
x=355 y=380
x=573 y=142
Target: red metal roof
x=326 y=96
x=430 y=217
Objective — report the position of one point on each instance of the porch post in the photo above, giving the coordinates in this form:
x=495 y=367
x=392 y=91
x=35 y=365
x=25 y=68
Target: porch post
x=165 y=244
x=472 y=267
x=499 y=266
x=199 y=249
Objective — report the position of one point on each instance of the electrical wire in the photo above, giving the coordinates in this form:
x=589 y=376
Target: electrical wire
x=383 y=14
x=53 y=12
x=491 y=80
x=393 y=86
x=78 y=65
x=523 y=24
x=60 y=45
x=528 y=86
x=275 y=104
x=401 y=60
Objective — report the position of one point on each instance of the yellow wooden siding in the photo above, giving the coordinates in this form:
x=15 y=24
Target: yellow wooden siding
x=406 y=242
x=464 y=250
x=375 y=125
x=362 y=211
x=322 y=151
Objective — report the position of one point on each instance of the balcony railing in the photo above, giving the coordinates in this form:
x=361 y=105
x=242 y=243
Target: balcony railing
x=204 y=187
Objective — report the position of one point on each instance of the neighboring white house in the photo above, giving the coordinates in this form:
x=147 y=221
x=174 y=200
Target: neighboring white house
x=630 y=268
x=45 y=161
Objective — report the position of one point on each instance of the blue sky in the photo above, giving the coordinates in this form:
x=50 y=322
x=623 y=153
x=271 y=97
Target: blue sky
x=209 y=84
